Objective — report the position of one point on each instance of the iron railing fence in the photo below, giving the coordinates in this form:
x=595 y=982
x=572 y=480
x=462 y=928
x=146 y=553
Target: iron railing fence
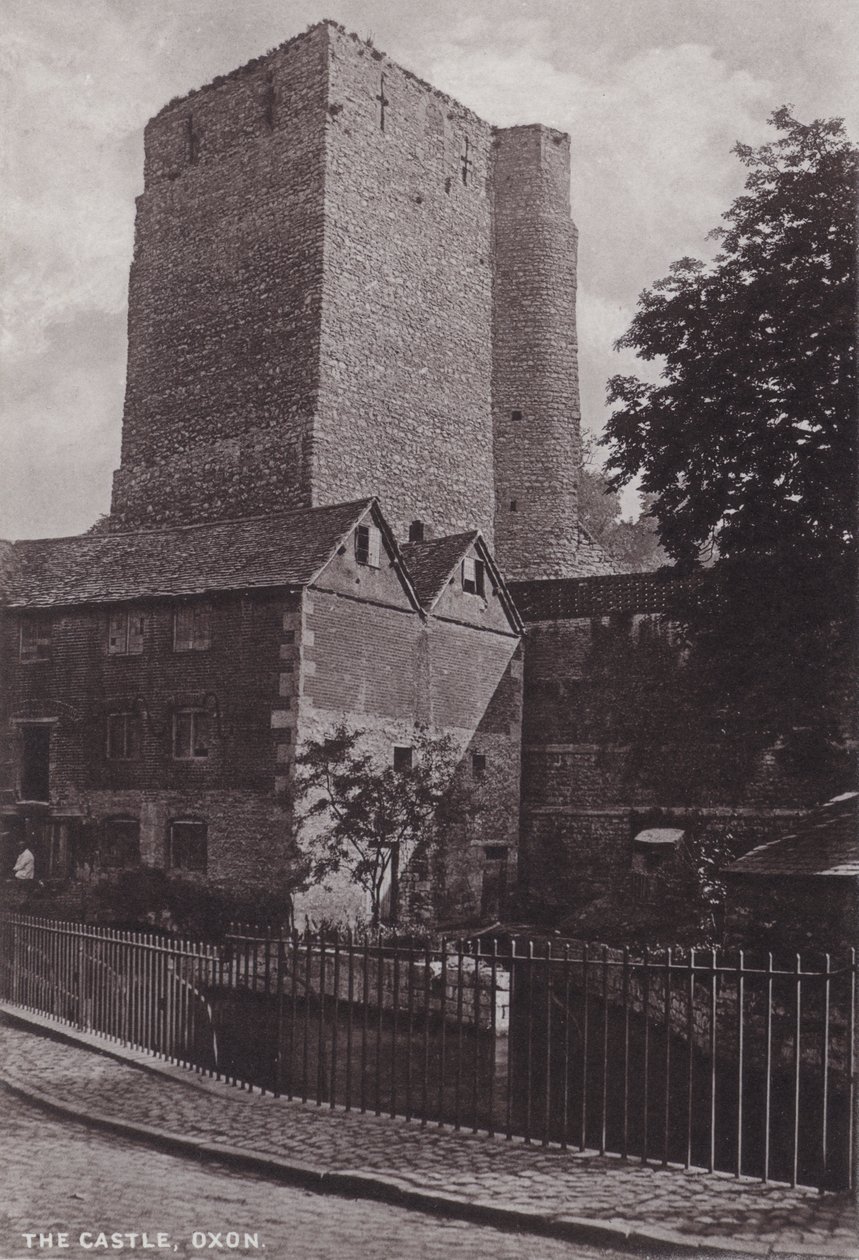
x=740 y=1063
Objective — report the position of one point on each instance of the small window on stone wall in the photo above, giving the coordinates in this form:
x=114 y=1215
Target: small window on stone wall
x=124 y=736
x=191 y=628
x=120 y=843
x=403 y=758
x=125 y=633
x=35 y=639
x=367 y=545
x=478 y=764
x=473 y=576
x=187 y=845
x=516 y=416
x=190 y=735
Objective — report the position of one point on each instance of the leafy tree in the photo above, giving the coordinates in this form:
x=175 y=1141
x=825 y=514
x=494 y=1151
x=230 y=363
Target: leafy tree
x=747 y=442
x=374 y=817
x=634 y=544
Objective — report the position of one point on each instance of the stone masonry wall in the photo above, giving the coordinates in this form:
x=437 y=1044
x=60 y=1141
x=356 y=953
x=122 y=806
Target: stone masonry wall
x=346 y=283
x=238 y=789
x=407 y=303
x=225 y=296
x=382 y=670
x=535 y=398
x=614 y=741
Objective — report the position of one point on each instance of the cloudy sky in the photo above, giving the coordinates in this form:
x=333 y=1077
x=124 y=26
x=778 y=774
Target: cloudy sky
x=653 y=93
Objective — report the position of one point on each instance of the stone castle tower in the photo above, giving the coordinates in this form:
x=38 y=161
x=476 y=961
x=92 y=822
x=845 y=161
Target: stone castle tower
x=345 y=283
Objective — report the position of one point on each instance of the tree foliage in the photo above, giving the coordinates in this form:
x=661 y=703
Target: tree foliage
x=747 y=442
x=634 y=544
x=367 y=819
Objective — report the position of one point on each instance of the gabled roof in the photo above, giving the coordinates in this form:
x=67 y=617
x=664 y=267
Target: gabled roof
x=432 y=562
x=285 y=549
x=825 y=843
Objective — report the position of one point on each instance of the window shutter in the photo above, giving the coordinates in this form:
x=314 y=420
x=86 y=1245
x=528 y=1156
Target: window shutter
x=116 y=635
x=374 y=547
x=135 y=633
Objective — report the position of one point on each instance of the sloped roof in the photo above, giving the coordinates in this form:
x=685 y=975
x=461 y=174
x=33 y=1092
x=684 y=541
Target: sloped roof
x=825 y=843
x=431 y=562
x=286 y=549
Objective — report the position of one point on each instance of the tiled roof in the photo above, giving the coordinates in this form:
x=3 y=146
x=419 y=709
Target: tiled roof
x=286 y=549
x=565 y=598
x=431 y=562
x=826 y=843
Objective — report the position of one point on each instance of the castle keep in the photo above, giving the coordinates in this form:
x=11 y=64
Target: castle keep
x=351 y=419
x=347 y=284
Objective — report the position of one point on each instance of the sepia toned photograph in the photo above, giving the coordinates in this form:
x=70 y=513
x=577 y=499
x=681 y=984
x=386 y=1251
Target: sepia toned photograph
x=428 y=635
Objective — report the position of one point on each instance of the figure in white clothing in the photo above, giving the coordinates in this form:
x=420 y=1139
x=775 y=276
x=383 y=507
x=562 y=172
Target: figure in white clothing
x=25 y=867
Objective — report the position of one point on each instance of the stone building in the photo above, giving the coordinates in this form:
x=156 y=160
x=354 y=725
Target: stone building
x=351 y=413
x=159 y=681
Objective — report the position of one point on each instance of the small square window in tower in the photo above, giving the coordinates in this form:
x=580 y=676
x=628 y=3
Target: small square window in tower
x=368 y=542
x=403 y=758
x=473 y=576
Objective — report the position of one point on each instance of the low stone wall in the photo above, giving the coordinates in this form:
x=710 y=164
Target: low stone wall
x=458 y=989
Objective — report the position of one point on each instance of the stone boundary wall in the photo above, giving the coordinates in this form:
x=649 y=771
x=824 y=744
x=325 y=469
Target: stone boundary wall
x=386 y=980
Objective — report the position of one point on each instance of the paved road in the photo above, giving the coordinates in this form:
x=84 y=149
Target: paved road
x=63 y=1177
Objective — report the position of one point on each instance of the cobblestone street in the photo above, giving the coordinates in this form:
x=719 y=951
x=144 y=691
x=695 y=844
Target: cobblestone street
x=62 y=1177
x=649 y=1204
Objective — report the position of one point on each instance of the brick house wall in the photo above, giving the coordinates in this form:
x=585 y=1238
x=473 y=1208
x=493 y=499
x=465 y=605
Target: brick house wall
x=235 y=681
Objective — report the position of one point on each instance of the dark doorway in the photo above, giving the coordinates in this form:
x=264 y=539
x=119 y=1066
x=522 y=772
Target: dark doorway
x=494 y=892
x=35 y=762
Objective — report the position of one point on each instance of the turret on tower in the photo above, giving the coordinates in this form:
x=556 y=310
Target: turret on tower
x=535 y=388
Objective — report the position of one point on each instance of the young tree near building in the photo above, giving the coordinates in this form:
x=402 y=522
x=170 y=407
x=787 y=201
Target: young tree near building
x=747 y=442
x=366 y=818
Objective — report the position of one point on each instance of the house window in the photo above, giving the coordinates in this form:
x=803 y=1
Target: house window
x=35 y=761
x=403 y=758
x=188 y=845
x=191 y=628
x=125 y=633
x=35 y=640
x=120 y=844
x=472 y=576
x=124 y=736
x=478 y=764
x=367 y=545
x=190 y=734
x=416 y=531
